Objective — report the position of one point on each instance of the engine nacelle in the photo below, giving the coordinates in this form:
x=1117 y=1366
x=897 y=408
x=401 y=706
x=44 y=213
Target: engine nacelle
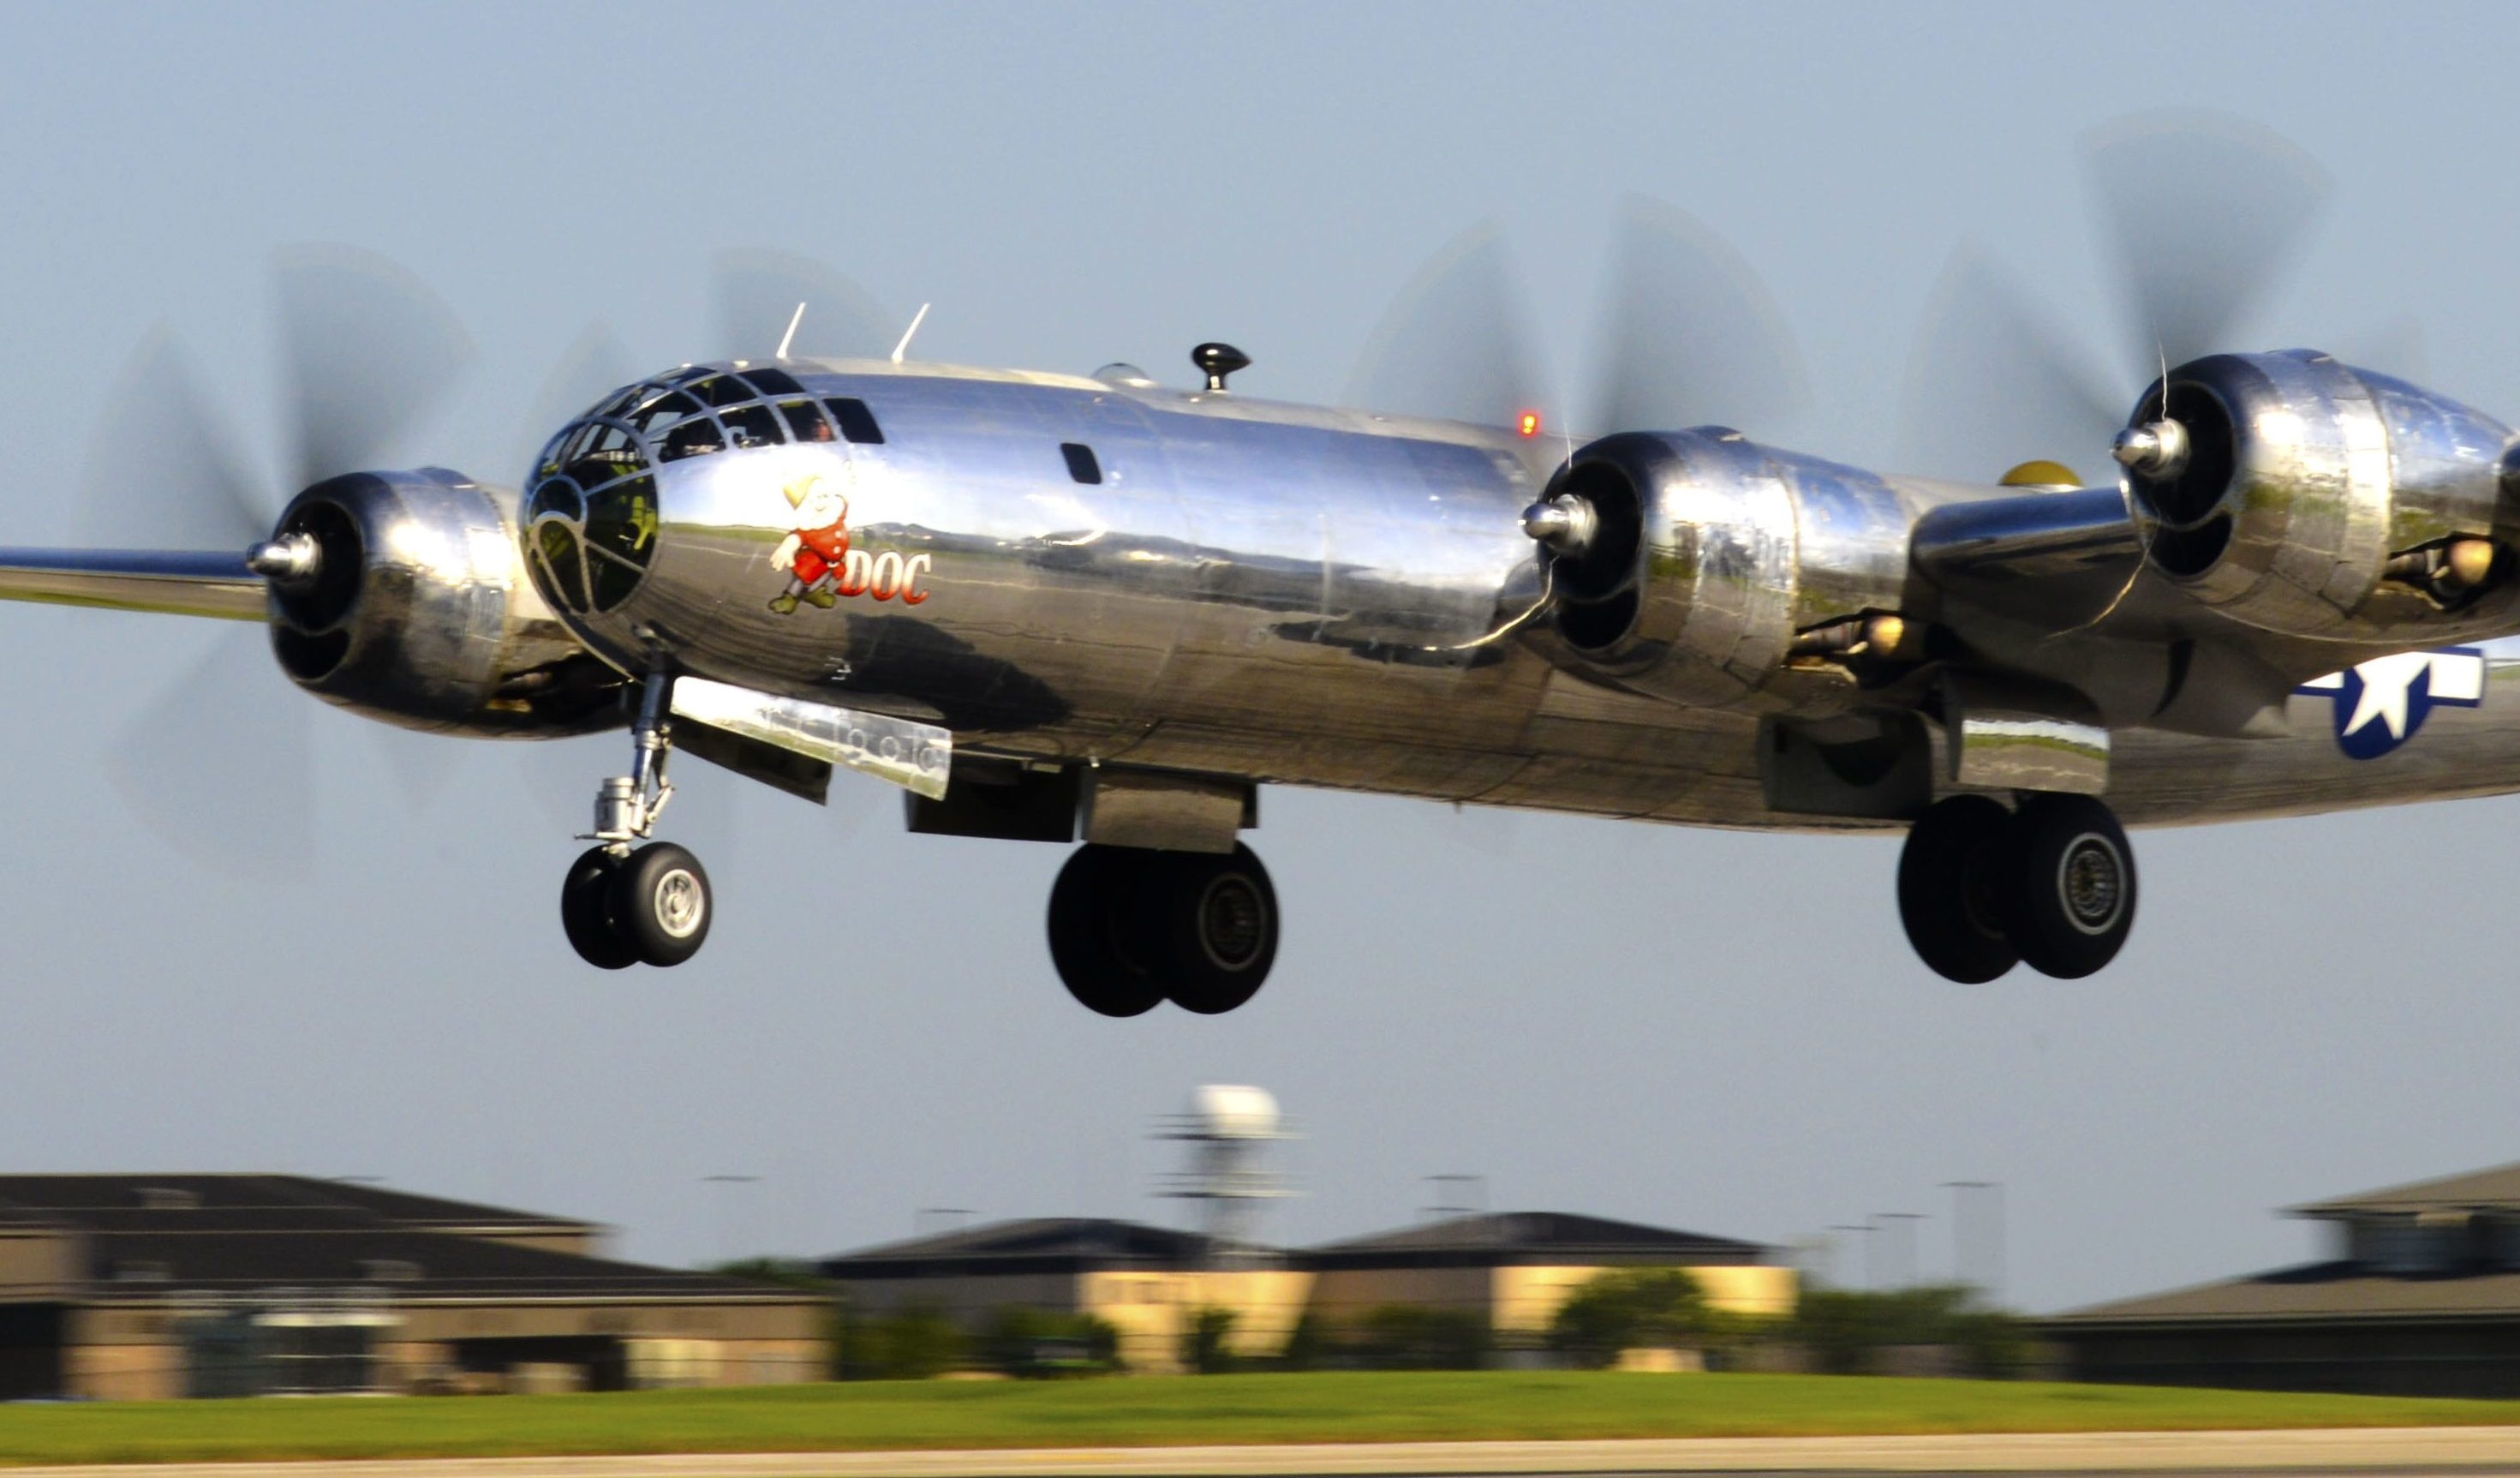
x=2305 y=496
x=417 y=611
x=1707 y=561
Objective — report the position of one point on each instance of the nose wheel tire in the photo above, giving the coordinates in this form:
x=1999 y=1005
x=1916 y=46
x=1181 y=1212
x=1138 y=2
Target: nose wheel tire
x=1129 y=929
x=661 y=903
x=586 y=912
x=1951 y=895
x=2070 y=892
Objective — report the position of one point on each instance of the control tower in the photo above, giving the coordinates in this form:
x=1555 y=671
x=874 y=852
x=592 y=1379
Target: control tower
x=1229 y=1129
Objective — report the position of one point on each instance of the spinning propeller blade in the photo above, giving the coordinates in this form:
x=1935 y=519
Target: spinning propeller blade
x=366 y=348
x=594 y=364
x=160 y=469
x=2200 y=212
x=221 y=764
x=754 y=292
x=1992 y=382
x=1455 y=343
x=1689 y=334
x=2205 y=211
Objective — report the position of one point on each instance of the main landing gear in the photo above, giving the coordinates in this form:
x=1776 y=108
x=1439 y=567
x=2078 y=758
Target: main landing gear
x=1129 y=929
x=1982 y=889
x=623 y=906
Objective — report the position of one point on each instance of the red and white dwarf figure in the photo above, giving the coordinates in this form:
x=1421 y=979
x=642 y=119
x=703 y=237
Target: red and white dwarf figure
x=816 y=549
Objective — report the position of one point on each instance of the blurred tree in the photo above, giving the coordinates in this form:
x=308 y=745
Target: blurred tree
x=1417 y=1337
x=1204 y=1344
x=1845 y=1330
x=914 y=1344
x=1631 y=1309
x=1034 y=1343
x=1309 y=1345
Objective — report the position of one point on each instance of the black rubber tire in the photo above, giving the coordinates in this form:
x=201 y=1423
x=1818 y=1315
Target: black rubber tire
x=1951 y=895
x=2070 y=888
x=661 y=903
x=1101 y=937
x=586 y=913
x=1220 y=928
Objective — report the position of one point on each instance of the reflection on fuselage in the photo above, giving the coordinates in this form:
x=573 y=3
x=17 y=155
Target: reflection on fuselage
x=1242 y=587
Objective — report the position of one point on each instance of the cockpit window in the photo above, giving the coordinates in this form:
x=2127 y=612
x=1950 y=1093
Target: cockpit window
x=556 y=560
x=591 y=518
x=752 y=425
x=804 y=422
x=693 y=439
x=663 y=411
x=857 y=423
x=725 y=389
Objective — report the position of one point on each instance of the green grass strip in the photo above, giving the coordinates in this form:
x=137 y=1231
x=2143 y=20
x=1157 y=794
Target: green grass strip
x=1154 y=1412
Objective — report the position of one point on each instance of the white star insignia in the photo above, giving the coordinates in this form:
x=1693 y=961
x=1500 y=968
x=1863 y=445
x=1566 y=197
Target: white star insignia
x=2385 y=680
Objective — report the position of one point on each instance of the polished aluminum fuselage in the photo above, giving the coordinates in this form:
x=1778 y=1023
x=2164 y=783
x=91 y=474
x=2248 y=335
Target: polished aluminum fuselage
x=1299 y=595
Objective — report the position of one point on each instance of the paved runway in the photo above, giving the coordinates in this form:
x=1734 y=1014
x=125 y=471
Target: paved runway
x=2267 y=1454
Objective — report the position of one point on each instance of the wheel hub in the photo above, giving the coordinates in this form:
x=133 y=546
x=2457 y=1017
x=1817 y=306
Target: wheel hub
x=2091 y=880
x=1232 y=922
x=680 y=904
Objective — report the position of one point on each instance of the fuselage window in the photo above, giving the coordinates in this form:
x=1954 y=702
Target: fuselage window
x=774 y=381
x=1081 y=463
x=804 y=422
x=693 y=439
x=752 y=425
x=857 y=423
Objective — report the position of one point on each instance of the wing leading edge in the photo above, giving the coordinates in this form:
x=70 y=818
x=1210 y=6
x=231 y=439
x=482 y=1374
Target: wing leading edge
x=173 y=582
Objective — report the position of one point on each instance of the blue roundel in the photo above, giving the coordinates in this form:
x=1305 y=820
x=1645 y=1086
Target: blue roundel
x=2379 y=704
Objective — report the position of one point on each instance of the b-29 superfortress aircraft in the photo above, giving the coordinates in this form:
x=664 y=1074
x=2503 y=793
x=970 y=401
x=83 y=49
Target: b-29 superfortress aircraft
x=1048 y=606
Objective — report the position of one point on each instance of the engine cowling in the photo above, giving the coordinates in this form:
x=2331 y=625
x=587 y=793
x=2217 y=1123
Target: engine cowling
x=2305 y=496
x=414 y=608
x=1708 y=558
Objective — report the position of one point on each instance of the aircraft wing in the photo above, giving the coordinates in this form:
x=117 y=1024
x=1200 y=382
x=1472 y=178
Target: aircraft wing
x=174 y=583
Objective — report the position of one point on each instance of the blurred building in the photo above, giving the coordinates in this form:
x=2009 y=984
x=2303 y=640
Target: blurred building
x=1147 y=1282
x=1512 y=1270
x=152 y=1286
x=1515 y=1269
x=2420 y=1296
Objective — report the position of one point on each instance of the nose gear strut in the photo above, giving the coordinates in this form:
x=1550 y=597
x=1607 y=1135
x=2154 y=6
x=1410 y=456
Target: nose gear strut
x=621 y=907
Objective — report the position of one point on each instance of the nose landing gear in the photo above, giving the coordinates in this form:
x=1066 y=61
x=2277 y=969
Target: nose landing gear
x=651 y=905
x=1982 y=889
x=1129 y=929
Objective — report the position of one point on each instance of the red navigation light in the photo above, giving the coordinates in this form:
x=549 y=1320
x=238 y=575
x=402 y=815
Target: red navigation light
x=1527 y=424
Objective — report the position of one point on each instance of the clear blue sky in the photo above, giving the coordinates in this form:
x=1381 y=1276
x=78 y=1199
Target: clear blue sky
x=1723 y=1031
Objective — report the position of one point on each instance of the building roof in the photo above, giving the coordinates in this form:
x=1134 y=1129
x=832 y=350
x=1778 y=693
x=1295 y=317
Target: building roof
x=1526 y=1237
x=403 y=1265
x=2494 y=1190
x=1029 y=1245
x=2313 y=1292
x=273 y=1199
x=155 y=1237
x=1088 y=1244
